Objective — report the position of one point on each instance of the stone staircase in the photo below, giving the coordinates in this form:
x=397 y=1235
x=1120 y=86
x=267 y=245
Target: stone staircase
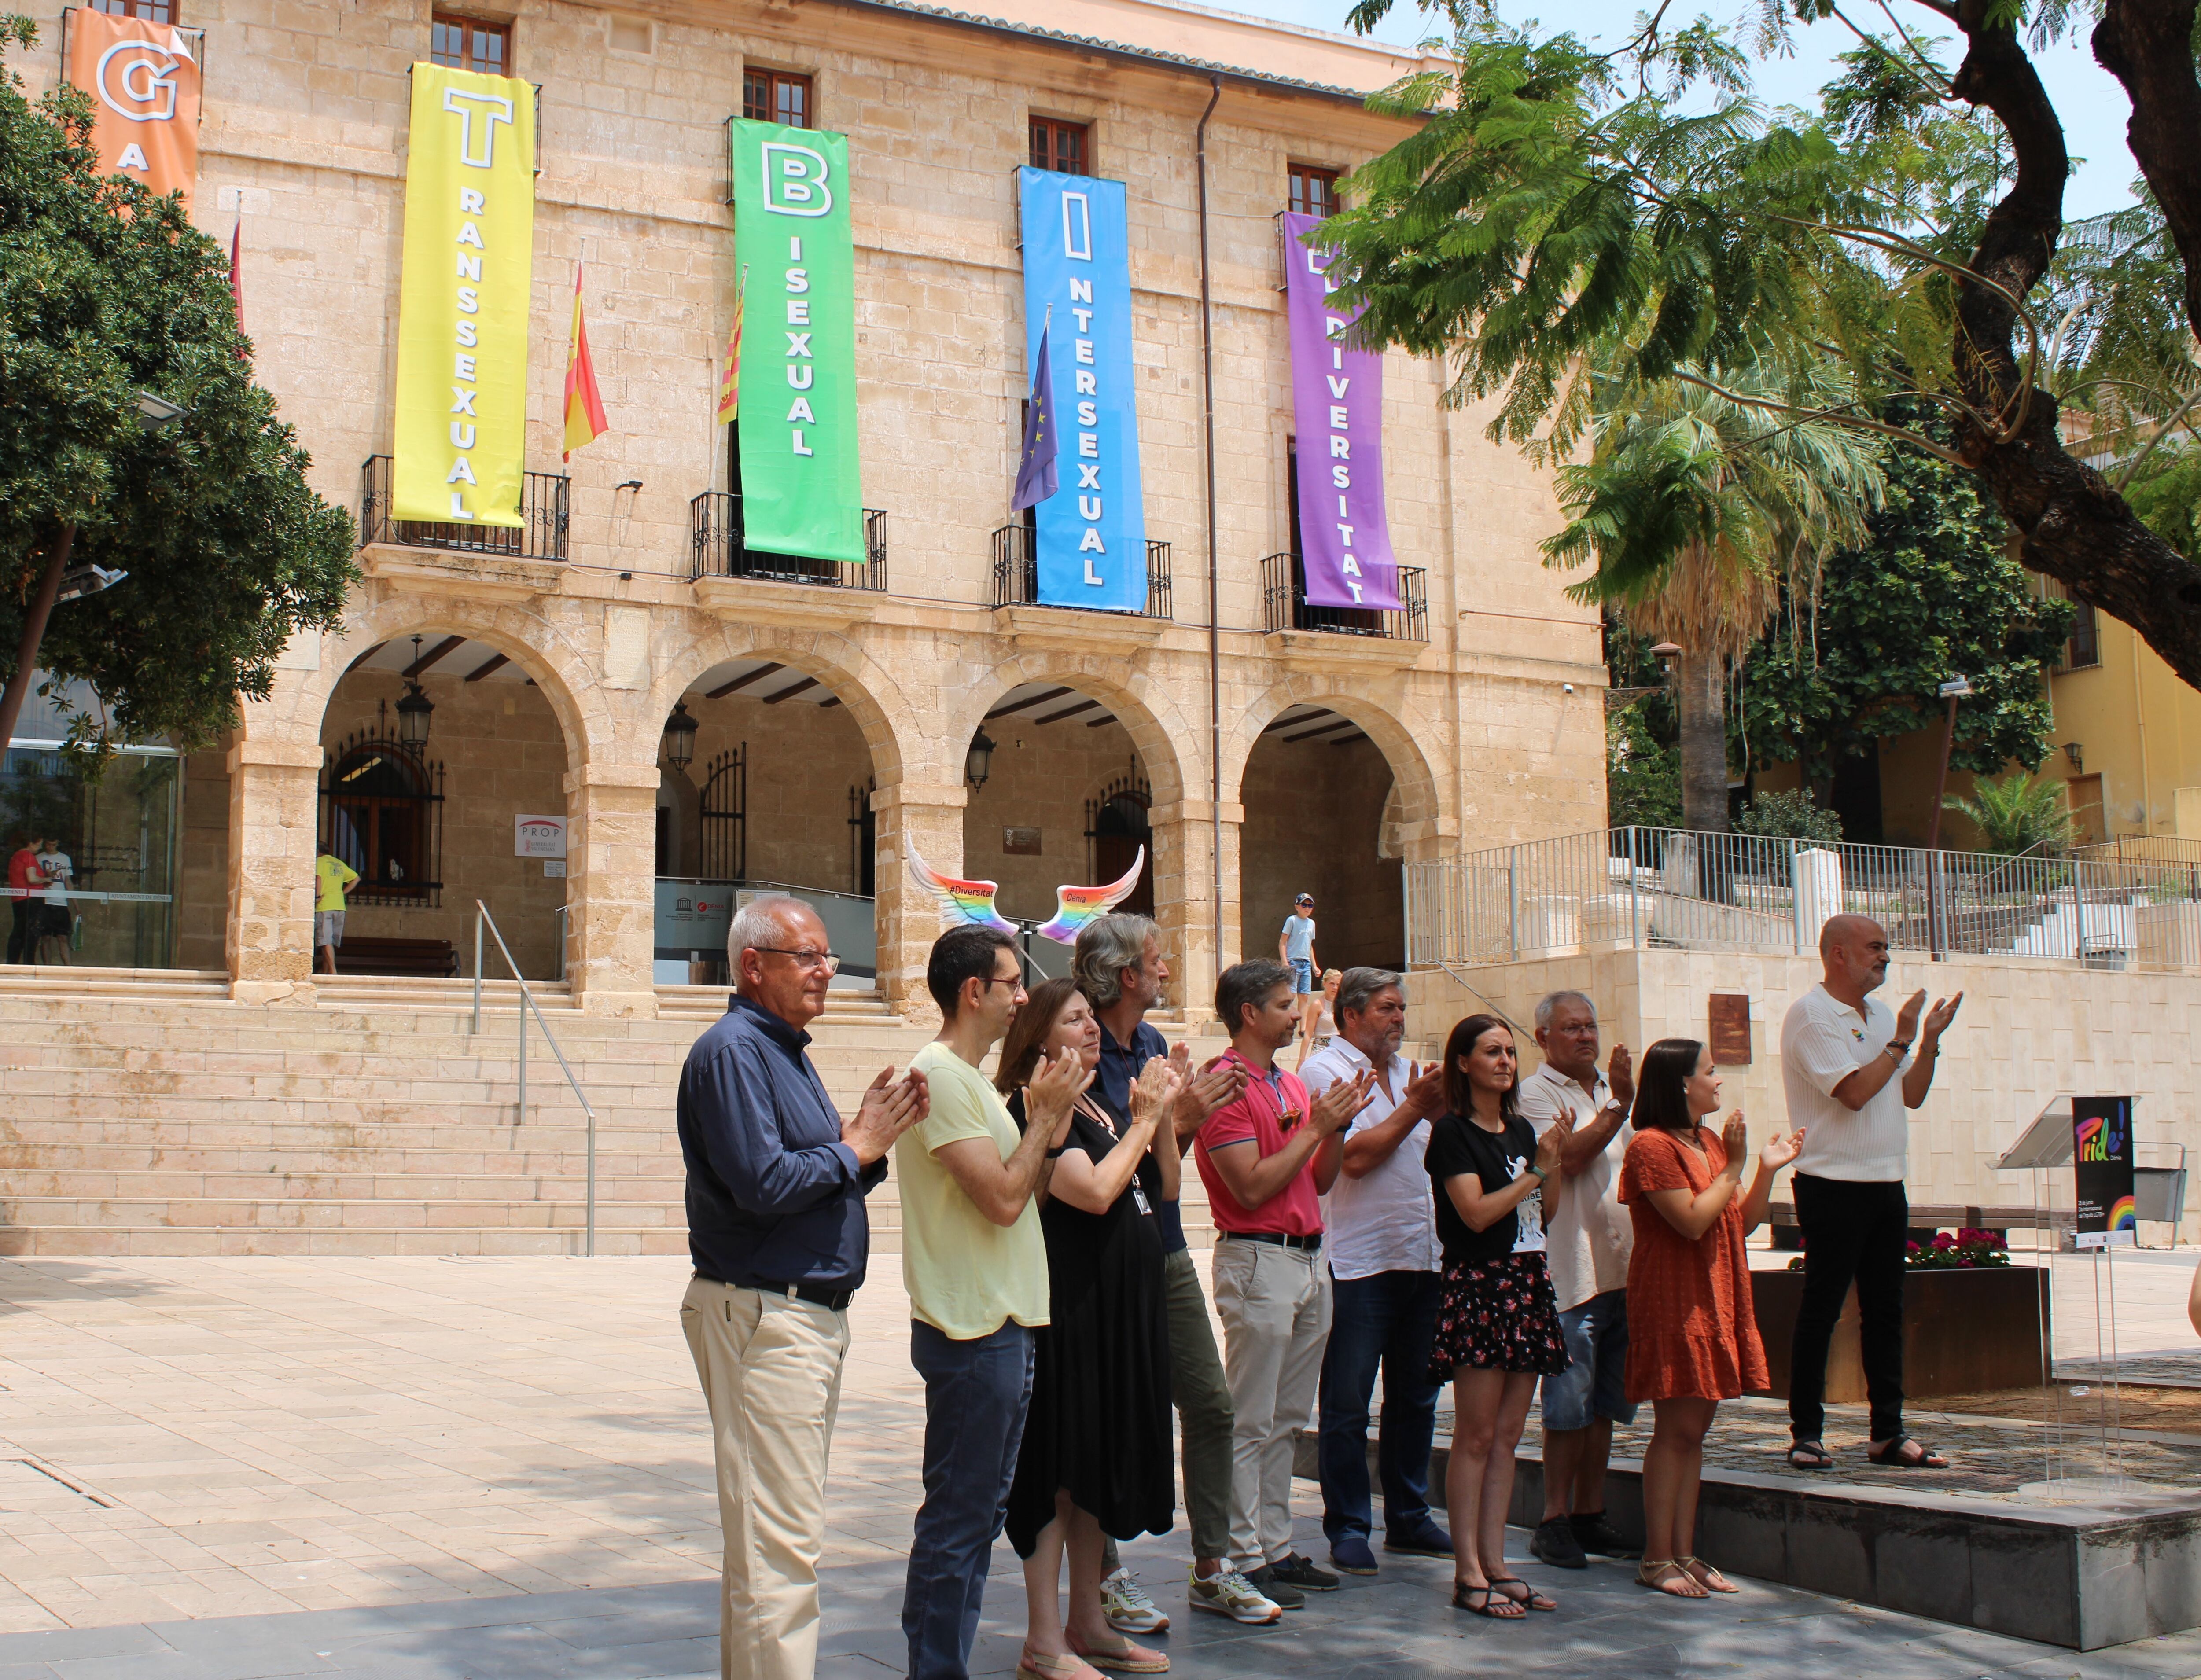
x=145 y=1113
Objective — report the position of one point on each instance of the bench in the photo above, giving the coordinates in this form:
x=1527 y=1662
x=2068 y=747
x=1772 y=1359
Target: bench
x=361 y=954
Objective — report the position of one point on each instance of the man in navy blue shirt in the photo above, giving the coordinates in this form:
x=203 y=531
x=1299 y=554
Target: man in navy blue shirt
x=779 y=1237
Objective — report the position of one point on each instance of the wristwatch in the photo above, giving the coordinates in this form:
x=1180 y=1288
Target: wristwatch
x=1900 y=1047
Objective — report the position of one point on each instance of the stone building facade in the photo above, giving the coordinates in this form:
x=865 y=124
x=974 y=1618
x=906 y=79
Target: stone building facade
x=1270 y=755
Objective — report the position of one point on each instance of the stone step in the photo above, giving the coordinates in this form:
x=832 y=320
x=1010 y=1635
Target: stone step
x=24 y=979
x=421 y=992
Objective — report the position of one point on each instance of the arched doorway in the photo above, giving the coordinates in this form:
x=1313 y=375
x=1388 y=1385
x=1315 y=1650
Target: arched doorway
x=765 y=784
x=1119 y=830
x=1314 y=791
x=442 y=783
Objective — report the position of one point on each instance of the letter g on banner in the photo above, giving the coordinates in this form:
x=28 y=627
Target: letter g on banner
x=137 y=80
x=793 y=186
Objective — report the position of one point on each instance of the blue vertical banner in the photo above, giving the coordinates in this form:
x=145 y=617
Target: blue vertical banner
x=1093 y=530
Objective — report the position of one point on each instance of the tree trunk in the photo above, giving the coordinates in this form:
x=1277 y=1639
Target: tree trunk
x=1700 y=690
x=40 y=608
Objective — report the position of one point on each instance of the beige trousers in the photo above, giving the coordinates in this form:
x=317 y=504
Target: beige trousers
x=770 y=1369
x=1274 y=1303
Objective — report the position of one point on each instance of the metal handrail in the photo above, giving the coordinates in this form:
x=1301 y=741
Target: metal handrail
x=526 y=1003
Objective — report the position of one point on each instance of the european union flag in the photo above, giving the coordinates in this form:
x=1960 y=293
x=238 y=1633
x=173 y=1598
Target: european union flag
x=1036 y=475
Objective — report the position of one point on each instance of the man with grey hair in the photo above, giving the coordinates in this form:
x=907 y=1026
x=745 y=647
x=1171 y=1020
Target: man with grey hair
x=1588 y=1237
x=1385 y=1281
x=1118 y=966
x=779 y=1238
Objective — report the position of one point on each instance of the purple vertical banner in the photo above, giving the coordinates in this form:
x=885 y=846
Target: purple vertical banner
x=1337 y=403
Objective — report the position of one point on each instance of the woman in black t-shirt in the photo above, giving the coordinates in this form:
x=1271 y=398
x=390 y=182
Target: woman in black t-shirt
x=1498 y=1325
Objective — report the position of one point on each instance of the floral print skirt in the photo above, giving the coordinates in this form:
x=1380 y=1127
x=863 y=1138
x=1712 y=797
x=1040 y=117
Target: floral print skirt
x=1497 y=1316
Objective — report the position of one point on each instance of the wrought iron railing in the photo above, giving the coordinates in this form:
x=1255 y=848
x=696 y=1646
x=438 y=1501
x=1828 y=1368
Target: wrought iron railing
x=1284 y=605
x=1016 y=574
x=718 y=549
x=544 y=518
x=1668 y=888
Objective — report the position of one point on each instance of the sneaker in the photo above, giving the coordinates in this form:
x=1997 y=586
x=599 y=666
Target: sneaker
x=1228 y=1593
x=1124 y=1602
x=1428 y=1541
x=1554 y=1543
x=1592 y=1533
x=1301 y=1571
x=1350 y=1553
x=1281 y=1591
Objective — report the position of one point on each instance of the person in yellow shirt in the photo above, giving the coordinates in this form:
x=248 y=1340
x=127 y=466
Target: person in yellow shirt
x=332 y=884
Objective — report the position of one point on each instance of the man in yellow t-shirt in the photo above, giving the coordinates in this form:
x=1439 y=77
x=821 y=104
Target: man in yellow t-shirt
x=332 y=884
x=976 y=1266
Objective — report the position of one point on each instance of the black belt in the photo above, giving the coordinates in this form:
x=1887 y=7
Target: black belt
x=834 y=1300
x=1309 y=1244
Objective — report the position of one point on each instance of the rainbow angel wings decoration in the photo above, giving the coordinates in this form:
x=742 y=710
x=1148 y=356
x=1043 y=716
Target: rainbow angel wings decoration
x=969 y=904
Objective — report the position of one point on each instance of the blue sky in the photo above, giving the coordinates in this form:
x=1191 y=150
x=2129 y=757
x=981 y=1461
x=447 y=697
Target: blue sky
x=2092 y=106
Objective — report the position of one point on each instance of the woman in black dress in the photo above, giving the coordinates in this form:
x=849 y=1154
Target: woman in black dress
x=1498 y=1321
x=1096 y=1454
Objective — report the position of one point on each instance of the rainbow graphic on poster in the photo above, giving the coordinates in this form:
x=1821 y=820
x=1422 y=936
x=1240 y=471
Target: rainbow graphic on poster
x=2124 y=1215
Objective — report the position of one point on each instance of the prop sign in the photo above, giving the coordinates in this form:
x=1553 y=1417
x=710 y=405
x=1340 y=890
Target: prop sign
x=2102 y=1161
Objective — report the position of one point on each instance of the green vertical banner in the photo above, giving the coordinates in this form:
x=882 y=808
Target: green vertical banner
x=802 y=486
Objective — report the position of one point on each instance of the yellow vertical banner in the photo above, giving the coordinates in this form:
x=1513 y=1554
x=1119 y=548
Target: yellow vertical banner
x=462 y=443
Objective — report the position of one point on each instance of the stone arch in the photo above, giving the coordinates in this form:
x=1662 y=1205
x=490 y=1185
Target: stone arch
x=1157 y=729
x=1416 y=804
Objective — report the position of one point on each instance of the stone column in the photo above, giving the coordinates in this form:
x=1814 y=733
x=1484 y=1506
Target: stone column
x=929 y=815
x=1184 y=897
x=274 y=799
x=611 y=886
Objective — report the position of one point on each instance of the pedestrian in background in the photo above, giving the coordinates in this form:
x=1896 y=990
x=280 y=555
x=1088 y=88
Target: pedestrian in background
x=1097 y=1453
x=1498 y=1325
x=25 y=879
x=333 y=880
x=55 y=925
x=1692 y=1330
x=1295 y=950
x=1587 y=1238
x=1313 y=1037
x=780 y=1241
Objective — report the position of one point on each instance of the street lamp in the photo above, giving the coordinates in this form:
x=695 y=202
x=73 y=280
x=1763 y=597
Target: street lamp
x=680 y=737
x=978 y=761
x=156 y=413
x=415 y=708
x=1955 y=689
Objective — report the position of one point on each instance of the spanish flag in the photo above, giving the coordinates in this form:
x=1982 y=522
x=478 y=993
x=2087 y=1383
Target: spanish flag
x=730 y=373
x=584 y=406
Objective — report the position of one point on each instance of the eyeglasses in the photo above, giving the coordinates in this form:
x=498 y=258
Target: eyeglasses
x=996 y=980
x=806 y=960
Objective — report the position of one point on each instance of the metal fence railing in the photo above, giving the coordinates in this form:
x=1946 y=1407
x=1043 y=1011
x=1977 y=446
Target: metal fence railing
x=1016 y=573
x=1640 y=888
x=717 y=547
x=1284 y=605
x=545 y=518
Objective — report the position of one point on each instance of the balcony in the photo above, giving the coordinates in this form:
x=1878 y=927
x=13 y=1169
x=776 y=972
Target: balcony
x=1307 y=634
x=755 y=586
x=505 y=562
x=1048 y=624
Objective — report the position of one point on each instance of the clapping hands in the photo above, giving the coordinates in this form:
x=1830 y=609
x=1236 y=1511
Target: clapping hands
x=1338 y=1103
x=1156 y=1092
x=1053 y=1091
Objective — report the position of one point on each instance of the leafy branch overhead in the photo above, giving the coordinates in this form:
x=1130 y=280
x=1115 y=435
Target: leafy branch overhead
x=1562 y=210
x=106 y=291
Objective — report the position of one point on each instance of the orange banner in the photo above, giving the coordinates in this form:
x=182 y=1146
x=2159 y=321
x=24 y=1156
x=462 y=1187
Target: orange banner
x=144 y=80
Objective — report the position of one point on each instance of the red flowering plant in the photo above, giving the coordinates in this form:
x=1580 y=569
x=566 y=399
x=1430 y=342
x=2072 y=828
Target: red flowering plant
x=1967 y=1250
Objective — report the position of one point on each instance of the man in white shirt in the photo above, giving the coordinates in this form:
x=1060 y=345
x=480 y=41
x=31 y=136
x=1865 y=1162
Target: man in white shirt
x=1386 y=1281
x=1588 y=1238
x=1840 y=1054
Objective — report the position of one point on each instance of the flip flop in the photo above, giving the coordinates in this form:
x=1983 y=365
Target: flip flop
x=1712 y=1580
x=1461 y=1593
x=1889 y=1455
x=1528 y=1597
x=1809 y=1456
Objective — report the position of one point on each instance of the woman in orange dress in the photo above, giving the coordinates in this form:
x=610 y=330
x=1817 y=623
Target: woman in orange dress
x=1692 y=1335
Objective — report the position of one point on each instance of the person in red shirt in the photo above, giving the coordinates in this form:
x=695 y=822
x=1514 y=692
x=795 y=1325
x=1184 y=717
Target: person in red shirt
x=27 y=883
x=1266 y=1159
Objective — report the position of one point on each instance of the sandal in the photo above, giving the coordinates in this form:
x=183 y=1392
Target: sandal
x=1122 y=1657
x=1035 y=1665
x=1889 y=1455
x=1655 y=1574
x=1528 y=1597
x=1706 y=1576
x=1499 y=1606
x=1809 y=1456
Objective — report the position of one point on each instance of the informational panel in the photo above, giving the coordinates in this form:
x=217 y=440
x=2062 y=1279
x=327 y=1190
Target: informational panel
x=2102 y=1161
x=542 y=836
x=1337 y=405
x=1729 y=1024
x=1092 y=531
x=461 y=443
x=144 y=80
x=802 y=490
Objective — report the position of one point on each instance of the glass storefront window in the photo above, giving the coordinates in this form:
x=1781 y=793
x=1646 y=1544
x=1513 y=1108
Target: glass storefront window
x=117 y=825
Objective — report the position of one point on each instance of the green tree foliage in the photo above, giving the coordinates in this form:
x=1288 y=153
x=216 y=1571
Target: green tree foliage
x=1794 y=815
x=1861 y=649
x=106 y=291
x=2018 y=812
x=1642 y=775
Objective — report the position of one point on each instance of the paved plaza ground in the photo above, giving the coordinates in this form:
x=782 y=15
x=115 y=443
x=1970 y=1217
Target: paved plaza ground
x=248 y=1468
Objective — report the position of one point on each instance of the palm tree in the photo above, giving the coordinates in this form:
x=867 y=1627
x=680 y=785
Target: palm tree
x=1696 y=508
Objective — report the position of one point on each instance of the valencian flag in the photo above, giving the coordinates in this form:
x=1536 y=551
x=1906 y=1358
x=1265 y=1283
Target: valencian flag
x=585 y=409
x=1035 y=472
x=730 y=374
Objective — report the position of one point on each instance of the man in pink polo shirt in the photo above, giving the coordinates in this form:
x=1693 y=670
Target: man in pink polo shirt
x=1266 y=1160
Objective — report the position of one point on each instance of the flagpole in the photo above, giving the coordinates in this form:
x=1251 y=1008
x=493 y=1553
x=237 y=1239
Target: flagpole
x=1031 y=378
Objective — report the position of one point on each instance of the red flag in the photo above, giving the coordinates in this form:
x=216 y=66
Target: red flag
x=729 y=372
x=236 y=277
x=584 y=408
